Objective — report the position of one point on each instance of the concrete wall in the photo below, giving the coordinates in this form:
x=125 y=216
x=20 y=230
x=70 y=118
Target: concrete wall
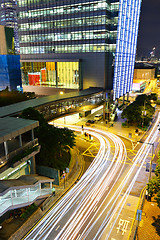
x=96 y=68
x=40 y=90
x=49 y=172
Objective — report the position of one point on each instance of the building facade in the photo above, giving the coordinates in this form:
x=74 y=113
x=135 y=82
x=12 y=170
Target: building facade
x=79 y=43
x=8 y=18
x=10 y=74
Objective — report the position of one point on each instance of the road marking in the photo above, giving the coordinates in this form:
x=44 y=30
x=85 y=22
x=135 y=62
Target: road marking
x=57 y=227
x=123 y=224
x=77 y=202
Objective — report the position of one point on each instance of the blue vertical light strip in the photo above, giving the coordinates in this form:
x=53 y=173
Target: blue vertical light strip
x=137 y=16
x=125 y=50
x=117 y=54
x=128 y=21
x=129 y=43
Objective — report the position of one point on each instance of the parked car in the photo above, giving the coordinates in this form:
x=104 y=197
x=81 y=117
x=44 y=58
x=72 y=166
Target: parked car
x=89 y=122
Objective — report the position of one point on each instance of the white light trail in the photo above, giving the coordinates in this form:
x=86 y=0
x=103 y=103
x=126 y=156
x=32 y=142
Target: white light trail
x=92 y=200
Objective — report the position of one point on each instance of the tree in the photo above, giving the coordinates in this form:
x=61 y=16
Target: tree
x=132 y=113
x=9 y=97
x=153 y=186
x=54 y=141
x=153 y=96
x=31 y=113
x=140 y=110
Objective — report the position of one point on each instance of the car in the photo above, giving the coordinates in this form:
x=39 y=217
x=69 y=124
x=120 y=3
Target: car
x=98 y=117
x=89 y=122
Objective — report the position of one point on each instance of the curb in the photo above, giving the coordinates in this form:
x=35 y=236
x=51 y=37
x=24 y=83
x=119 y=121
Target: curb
x=134 y=225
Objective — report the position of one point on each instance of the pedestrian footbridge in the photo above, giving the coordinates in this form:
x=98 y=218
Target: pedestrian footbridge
x=23 y=191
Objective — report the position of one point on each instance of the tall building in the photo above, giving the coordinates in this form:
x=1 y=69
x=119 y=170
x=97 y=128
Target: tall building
x=79 y=43
x=8 y=18
x=10 y=74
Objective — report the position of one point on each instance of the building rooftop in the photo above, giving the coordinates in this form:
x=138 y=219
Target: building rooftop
x=143 y=66
x=22 y=182
x=19 y=107
x=12 y=127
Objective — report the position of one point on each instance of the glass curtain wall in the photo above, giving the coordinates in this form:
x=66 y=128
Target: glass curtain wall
x=51 y=74
x=67 y=27
x=8 y=17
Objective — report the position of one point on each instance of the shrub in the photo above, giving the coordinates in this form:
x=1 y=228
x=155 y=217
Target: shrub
x=28 y=211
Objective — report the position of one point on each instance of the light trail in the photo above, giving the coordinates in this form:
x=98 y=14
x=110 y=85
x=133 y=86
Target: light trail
x=100 y=166
x=93 y=200
x=139 y=158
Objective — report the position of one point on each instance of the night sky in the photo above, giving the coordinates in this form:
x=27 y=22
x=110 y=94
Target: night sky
x=149 y=28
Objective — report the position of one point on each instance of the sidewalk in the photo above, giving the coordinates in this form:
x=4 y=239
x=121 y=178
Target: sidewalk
x=127 y=133
x=149 y=227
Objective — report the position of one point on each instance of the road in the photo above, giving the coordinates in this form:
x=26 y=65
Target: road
x=95 y=208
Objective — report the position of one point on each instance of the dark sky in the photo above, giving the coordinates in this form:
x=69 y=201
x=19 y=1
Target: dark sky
x=149 y=28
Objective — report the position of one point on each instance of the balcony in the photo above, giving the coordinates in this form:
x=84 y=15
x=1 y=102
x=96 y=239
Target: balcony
x=21 y=154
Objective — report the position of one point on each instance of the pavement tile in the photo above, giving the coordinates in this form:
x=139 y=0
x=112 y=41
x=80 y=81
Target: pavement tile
x=147 y=229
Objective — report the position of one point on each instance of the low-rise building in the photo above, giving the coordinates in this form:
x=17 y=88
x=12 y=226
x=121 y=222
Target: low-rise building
x=18 y=147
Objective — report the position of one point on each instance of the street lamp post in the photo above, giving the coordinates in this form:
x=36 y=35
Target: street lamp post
x=150 y=167
x=143 y=113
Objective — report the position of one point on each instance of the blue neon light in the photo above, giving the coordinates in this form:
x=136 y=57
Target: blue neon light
x=128 y=22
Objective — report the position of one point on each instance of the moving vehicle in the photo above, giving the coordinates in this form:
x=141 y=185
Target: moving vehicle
x=89 y=122
x=98 y=117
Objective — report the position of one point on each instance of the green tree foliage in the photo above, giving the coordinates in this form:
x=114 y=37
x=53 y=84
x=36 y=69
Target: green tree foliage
x=9 y=97
x=140 y=109
x=31 y=113
x=55 y=142
x=153 y=96
x=154 y=184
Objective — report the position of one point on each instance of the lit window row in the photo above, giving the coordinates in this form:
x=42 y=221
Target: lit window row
x=68 y=36
x=66 y=23
x=69 y=48
x=82 y=7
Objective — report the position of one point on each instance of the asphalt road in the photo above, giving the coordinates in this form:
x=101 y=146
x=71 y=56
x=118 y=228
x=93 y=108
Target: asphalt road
x=99 y=206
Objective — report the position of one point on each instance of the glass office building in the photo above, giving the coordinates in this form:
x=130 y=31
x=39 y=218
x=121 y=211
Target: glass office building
x=78 y=43
x=8 y=18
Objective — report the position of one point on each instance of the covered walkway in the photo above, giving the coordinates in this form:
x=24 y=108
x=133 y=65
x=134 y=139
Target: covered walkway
x=23 y=191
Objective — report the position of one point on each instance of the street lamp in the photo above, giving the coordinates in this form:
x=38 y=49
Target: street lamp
x=143 y=113
x=150 y=167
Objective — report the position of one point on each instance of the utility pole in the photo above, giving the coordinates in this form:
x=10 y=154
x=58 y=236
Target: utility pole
x=150 y=167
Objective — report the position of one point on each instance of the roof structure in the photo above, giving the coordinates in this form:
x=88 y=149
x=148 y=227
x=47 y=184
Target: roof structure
x=12 y=127
x=22 y=182
x=19 y=107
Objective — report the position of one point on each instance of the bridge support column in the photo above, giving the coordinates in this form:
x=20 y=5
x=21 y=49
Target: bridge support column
x=20 y=140
x=33 y=165
x=6 y=149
